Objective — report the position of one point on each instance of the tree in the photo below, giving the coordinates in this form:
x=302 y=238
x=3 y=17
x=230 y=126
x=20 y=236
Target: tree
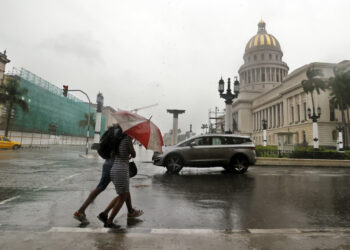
x=339 y=86
x=312 y=83
x=11 y=95
x=83 y=123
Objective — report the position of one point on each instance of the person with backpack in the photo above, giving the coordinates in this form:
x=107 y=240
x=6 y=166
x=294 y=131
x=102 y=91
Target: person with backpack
x=106 y=147
x=120 y=178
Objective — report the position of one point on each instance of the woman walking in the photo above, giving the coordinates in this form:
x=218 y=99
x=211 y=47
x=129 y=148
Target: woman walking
x=120 y=178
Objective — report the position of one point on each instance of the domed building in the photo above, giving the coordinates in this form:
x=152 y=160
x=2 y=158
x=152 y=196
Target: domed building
x=269 y=93
x=263 y=67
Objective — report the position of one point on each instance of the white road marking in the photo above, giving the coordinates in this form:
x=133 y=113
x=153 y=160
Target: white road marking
x=10 y=199
x=78 y=230
x=183 y=231
x=200 y=230
x=67 y=178
x=274 y=231
x=40 y=188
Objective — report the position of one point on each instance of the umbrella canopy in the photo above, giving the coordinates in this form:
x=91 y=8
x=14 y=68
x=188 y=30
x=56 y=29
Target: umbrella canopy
x=141 y=129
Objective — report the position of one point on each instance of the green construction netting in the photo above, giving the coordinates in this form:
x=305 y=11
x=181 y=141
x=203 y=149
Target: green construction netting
x=49 y=110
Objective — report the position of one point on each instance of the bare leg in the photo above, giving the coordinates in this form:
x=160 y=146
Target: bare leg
x=94 y=193
x=117 y=207
x=111 y=205
x=128 y=203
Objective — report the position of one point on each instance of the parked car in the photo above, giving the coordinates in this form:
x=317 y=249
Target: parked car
x=7 y=143
x=233 y=152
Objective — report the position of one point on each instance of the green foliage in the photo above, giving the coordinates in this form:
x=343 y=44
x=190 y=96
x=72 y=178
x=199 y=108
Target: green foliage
x=84 y=123
x=11 y=95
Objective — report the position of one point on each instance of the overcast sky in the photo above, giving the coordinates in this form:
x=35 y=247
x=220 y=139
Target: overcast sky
x=170 y=52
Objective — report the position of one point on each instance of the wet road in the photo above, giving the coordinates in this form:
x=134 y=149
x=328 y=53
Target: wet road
x=40 y=190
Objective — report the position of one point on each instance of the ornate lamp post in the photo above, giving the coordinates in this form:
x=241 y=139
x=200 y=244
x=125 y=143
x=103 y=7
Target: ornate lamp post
x=264 y=124
x=340 y=129
x=228 y=96
x=314 y=118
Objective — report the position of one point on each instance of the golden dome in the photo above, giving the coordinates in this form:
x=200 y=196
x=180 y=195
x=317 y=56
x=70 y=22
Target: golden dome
x=262 y=39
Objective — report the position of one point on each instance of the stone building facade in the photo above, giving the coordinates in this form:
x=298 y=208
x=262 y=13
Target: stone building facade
x=269 y=93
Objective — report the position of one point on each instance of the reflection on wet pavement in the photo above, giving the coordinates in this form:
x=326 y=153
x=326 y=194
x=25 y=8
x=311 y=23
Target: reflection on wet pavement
x=51 y=184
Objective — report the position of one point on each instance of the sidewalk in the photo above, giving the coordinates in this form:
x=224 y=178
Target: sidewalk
x=274 y=239
x=266 y=161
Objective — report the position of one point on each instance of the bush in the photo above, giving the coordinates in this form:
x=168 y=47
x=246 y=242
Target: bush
x=325 y=154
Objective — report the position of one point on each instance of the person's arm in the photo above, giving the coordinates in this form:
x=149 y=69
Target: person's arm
x=131 y=147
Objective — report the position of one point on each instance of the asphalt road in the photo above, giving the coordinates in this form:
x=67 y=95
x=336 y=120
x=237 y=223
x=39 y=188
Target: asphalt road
x=40 y=190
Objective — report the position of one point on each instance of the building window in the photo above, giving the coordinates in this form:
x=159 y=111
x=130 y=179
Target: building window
x=332 y=112
x=263 y=74
x=298 y=111
x=276 y=57
x=254 y=57
x=334 y=135
x=277 y=75
x=305 y=118
x=270 y=56
x=292 y=114
x=248 y=58
x=262 y=56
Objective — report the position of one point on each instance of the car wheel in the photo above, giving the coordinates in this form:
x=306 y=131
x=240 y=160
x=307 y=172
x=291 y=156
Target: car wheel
x=15 y=147
x=239 y=164
x=174 y=164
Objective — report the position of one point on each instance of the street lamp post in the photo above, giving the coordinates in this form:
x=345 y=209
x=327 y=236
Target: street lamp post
x=264 y=124
x=228 y=96
x=340 y=146
x=314 y=118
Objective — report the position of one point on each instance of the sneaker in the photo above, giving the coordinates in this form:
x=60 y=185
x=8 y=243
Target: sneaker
x=80 y=217
x=135 y=213
x=111 y=225
x=102 y=217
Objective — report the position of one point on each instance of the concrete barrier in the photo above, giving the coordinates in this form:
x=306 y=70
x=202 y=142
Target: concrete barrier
x=266 y=161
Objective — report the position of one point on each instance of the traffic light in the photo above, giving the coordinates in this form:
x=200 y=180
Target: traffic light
x=65 y=90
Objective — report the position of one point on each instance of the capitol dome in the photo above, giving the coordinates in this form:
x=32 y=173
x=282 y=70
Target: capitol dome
x=263 y=67
x=262 y=40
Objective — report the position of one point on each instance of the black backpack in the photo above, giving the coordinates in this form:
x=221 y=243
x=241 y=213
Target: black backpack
x=110 y=141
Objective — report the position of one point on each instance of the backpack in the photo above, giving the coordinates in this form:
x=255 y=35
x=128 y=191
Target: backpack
x=110 y=141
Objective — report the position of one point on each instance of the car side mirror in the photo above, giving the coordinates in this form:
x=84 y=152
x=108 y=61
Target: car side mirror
x=192 y=144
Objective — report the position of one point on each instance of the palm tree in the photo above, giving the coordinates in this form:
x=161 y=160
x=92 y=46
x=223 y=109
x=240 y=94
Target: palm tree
x=312 y=83
x=83 y=123
x=11 y=95
x=339 y=85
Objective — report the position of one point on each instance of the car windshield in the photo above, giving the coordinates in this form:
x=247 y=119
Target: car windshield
x=6 y=139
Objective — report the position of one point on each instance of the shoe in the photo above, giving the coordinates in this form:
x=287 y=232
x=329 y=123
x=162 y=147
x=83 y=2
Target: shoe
x=102 y=217
x=135 y=213
x=111 y=225
x=80 y=217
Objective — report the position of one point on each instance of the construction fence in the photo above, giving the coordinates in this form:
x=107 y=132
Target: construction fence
x=42 y=139
x=49 y=111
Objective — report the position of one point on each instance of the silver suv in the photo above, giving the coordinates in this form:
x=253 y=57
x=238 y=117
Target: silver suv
x=232 y=152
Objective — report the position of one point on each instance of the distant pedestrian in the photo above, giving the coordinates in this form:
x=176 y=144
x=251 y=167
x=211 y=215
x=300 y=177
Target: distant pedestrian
x=120 y=178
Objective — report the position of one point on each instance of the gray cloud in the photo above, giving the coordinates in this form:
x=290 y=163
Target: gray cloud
x=80 y=45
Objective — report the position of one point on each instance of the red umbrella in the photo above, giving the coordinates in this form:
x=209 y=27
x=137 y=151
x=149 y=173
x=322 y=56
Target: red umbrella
x=141 y=129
